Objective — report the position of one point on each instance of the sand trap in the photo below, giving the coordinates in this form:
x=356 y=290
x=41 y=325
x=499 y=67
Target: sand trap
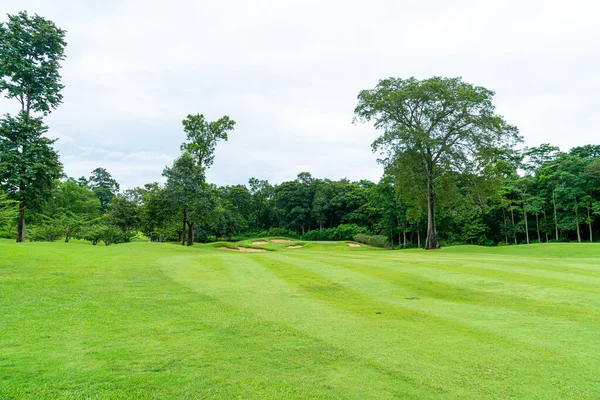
x=243 y=249
x=280 y=241
x=249 y=250
x=298 y=246
x=353 y=244
x=260 y=242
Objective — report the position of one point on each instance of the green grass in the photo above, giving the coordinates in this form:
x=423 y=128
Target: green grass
x=149 y=320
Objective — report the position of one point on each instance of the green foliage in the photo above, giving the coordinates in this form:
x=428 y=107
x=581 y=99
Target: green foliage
x=107 y=234
x=104 y=186
x=457 y=129
x=47 y=232
x=70 y=197
x=341 y=232
x=31 y=49
x=202 y=137
x=372 y=240
x=8 y=210
x=28 y=163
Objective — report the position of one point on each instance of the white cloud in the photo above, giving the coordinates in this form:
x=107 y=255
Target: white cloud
x=289 y=71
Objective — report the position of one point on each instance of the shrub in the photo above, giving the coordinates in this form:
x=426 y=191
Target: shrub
x=280 y=232
x=45 y=233
x=378 y=241
x=342 y=232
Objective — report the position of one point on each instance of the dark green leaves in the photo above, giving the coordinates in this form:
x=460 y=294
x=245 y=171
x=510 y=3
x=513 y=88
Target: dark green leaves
x=202 y=137
x=31 y=49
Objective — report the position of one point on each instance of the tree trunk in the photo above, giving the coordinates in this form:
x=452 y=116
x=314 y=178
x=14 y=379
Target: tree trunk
x=190 y=238
x=512 y=216
x=577 y=223
x=392 y=238
x=21 y=224
x=537 y=227
x=526 y=223
x=431 y=242
x=590 y=225
x=184 y=223
x=546 y=221
x=419 y=238
x=505 y=229
x=555 y=217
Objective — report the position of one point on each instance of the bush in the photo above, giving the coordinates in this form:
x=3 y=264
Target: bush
x=280 y=232
x=378 y=241
x=342 y=232
x=107 y=234
x=45 y=233
x=375 y=240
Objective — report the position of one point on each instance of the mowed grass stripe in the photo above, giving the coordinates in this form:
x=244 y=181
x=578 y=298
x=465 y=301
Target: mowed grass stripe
x=404 y=336
x=273 y=300
x=439 y=281
x=520 y=326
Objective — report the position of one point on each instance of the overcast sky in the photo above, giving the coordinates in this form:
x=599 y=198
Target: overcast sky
x=288 y=72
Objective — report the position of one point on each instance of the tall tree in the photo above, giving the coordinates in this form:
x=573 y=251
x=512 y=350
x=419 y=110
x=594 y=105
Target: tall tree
x=31 y=50
x=28 y=163
x=202 y=137
x=104 y=186
x=433 y=127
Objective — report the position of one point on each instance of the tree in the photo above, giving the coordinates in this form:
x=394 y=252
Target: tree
x=8 y=209
x=68 y=197
x=433 y=127
x=188 y=192
x=104 y=186
x=28 y=163
x=202 y=137
x=31 y=49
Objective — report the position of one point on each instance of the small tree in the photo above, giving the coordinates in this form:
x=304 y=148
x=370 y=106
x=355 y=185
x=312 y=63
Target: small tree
x=104 y=186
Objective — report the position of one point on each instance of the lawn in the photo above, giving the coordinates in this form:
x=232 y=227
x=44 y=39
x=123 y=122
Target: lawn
x=151 y=320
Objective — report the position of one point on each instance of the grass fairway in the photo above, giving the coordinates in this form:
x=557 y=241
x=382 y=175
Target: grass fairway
x=150 y=320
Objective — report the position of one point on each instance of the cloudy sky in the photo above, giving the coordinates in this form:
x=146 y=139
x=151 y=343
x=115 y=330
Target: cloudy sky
x=288 y=72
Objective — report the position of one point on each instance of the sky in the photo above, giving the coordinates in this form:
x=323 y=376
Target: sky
x=288 y=73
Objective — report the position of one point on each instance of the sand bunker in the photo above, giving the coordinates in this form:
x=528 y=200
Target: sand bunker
x=244 y=249
x=353 y=244
x=250 y=250
x=280 y=241
x=260 y=242
x=298 y=246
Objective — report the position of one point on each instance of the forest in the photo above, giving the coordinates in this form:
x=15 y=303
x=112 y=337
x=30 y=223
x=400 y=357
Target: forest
x=453 y=172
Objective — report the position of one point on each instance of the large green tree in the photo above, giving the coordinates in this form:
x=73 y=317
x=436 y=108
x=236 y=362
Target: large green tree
x=190 y=194
x=31 y=50
x=432 y=127
x=29 y=165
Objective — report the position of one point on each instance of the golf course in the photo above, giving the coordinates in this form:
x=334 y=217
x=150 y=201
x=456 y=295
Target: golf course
x=300 y=320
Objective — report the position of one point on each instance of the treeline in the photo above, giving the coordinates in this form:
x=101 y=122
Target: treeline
x=539 y=195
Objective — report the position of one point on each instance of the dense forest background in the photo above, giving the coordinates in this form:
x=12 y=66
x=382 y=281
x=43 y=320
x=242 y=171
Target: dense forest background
x=536 y=195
